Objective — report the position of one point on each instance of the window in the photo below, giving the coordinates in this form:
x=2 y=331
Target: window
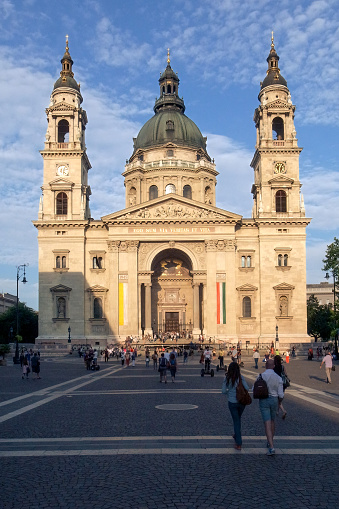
x=170 y=188
x=97 y=308
x=208 y=195
x=57 y=262
x=168 y=89
x=278 y=129
x=153 y=192
x=285 y=260
x=97 y=262
x=61 y=204
x=280 y=201
x=280 y=258
x=170 y=153
x=187 y=192
x=246 y=307
x=132 y=197
x=63 y=262
x=63 y=131
x=169 y=125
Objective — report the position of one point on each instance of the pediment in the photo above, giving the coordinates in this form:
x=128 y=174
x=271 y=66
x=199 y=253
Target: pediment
x=61 y=181
x=278 y=104
x=61 y=106
x=97 y=288
x=171 y=208
x=60 y=289
x=281 y=180
x=284 y=286
x=247 y=288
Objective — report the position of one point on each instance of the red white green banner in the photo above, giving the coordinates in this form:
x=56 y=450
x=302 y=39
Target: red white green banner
x=221 y=303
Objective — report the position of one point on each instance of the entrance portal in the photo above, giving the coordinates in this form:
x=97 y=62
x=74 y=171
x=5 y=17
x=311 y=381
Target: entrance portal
x=171 y=321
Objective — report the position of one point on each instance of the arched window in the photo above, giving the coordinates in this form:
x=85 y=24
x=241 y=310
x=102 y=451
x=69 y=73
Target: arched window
x=208 y=195
x=170 y=188
x=168 y=89
x=248 y=261
x=243 y=262
x=132 y=196
x=277 y=128
x=280 y=258
x=63 y=260
x=187 y=192
x=246 y=307
x=97 y=308
x=285 y=260
x=63 y=131
x=61 y=204
x=57 y=262
x=153 y=192
x=163 y=90
x=280 y=201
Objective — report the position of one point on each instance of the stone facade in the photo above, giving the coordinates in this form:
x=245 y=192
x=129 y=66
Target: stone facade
x=171 y=259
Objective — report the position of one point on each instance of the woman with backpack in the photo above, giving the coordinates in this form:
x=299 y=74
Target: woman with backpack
x=163 y=367
x=173 y=366
x=233 y=378
x=280 y=370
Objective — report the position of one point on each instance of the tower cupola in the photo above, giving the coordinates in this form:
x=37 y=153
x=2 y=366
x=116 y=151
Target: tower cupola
x=273 y=76
x=66 y=74
x=169 y=85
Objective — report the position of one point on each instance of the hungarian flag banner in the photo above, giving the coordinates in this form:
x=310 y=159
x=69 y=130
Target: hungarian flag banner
x=221 y=303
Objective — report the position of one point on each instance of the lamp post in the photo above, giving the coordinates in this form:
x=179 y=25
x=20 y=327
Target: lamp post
x=20 y=274
x=69 y=338
x=327 y=276
x=276 y=337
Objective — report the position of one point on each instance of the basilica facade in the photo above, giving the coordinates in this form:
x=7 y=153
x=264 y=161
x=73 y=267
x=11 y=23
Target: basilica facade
x=172 y=260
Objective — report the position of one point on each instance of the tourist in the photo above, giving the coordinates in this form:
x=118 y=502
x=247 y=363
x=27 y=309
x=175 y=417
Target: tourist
x=106 y=354
x=232 y=377
x=185 y=356
x=163 y=368
x=127 y=357
x=173 y=366
x=256 y=357
x=269 y=406
x=35 y=363
x=155 y=360
x=207 y=358
x=327 y=360
x=25 y=368
x=221 y=358
x=280 y=370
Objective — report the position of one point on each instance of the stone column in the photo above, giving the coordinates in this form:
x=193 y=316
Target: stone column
x=113 y=294
x=204 y=307
x=196 y=305
x=133 y=301
x=211 y=293
x=231 y=292
x=148 y=308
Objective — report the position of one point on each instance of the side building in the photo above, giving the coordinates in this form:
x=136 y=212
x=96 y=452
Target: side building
x=172 y=260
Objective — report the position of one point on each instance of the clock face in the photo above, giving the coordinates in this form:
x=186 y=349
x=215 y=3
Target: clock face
x=62 y=170
x=279 y=168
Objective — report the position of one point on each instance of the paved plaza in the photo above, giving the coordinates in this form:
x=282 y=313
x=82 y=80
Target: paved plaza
x=117 y=438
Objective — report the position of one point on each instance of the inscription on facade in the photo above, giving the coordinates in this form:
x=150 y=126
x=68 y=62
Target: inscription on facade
x=173 y=229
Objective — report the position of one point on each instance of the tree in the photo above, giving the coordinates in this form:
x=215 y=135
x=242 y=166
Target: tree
x=331 y=264
x=319 y=319
x=28 y=324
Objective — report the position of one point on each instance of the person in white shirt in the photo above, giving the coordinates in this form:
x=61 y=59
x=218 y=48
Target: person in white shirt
x=269 y=406
x=207 y=357
x=327 y=360
x=256 y=357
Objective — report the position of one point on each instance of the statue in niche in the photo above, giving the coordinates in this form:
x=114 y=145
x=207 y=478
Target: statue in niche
x=61 y=307
x=283 y=307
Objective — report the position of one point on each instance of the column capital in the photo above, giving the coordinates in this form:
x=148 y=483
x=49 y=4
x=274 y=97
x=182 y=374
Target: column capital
x=113 y=246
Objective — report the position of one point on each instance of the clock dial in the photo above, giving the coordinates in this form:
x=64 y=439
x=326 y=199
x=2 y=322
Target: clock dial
x=279 y=168
x=62 y=170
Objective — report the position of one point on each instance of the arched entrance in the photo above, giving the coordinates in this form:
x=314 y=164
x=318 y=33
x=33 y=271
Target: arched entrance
x=172 y=292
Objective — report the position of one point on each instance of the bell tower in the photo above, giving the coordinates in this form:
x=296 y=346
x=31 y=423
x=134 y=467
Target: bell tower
x=276 y=188
x=65 y=185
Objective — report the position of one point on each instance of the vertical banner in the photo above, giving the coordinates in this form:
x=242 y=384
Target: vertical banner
x=123 y=303
x=221 y=303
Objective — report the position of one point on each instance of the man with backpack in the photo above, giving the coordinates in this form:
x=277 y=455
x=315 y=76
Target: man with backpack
x=163 y=364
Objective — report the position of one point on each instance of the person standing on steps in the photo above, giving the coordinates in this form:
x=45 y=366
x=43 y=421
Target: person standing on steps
x=327 y=360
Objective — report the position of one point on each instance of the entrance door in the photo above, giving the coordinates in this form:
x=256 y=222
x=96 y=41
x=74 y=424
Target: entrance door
x=171 y=321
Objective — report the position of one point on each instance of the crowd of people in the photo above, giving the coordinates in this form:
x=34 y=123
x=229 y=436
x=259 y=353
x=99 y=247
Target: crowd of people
x=30 y=362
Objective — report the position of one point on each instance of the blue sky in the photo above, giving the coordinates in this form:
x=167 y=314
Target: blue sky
x=219 y=49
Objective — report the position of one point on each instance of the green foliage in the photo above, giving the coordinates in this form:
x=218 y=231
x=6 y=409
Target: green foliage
x=320 y=319
x=4 y=349
x=28 y=324
x=331 y=260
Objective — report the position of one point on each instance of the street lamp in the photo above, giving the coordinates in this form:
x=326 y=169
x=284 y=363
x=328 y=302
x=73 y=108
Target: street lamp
x=20 y=274
x=276 y=337
x=327 y=276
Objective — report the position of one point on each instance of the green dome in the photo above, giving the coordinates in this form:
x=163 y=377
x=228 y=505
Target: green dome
x=68 y=82
x=170 y=126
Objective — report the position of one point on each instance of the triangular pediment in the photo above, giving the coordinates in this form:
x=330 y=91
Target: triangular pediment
x=171 y=208
x=281 y=180
x=61 y=181
x=97 y=288
x=278 y=104
x=247 y=288
x=284 y=286
x=60 y=289
x=61 y=106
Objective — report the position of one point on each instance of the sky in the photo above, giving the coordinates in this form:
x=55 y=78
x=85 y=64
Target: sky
x=219 y=49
